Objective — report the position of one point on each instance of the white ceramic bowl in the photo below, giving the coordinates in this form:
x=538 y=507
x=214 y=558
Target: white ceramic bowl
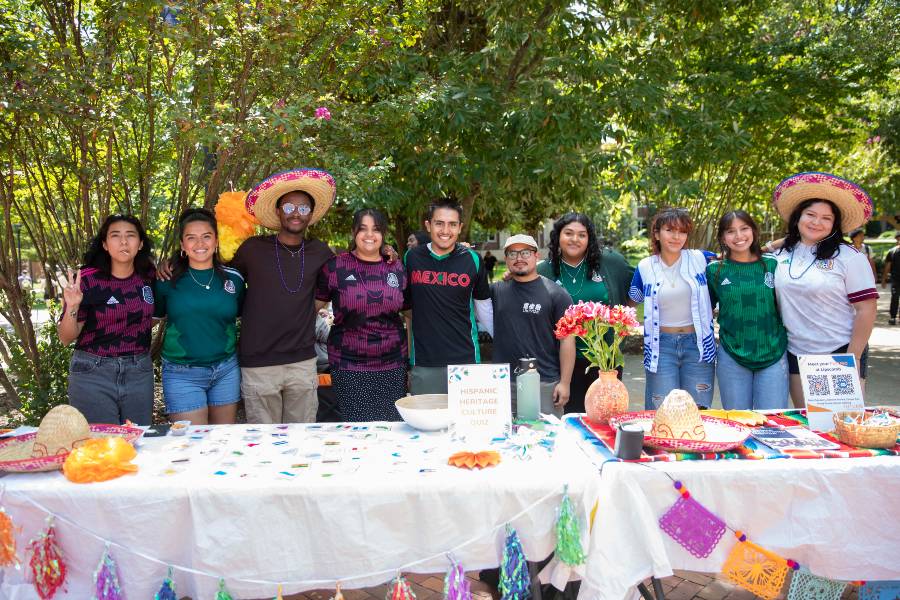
x=426 y=412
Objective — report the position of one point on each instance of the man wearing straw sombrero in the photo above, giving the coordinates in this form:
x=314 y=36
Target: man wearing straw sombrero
x=825 y=287
x=277 y=344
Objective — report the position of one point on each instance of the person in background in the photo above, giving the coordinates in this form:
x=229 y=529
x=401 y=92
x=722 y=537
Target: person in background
x=367 y=343
x=416 y=239
x=751 y=364
x=679 y=342
x=108 y=312
x=201 y=303
x=489 y=262
x=448 y=290
x=892 y=268
x=825 y=287
x=576 y=262
x=526 y=309
x=857 y=237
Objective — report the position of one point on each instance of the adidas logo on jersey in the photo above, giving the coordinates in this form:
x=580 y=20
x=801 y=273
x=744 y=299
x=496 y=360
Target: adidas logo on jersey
x=350 y=277
x=726 y=281
x=112 y=300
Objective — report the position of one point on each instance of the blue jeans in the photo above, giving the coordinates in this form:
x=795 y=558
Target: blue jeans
x=679 y=368
x=743 y=389
x=112 y=389
x=187 y=388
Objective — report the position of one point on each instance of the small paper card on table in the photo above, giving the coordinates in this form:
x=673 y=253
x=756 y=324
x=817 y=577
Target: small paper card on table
x=792 y=438
x=478 y=397
x=830 y=384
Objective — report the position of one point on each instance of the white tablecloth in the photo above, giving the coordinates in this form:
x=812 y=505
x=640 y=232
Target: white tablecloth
x=371 y=501
x=838 y=517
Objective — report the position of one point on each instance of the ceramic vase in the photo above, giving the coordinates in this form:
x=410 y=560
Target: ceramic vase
x=605 y=398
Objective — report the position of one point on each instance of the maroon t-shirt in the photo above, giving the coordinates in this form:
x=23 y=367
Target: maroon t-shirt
x=367 y=297
x=117 y=314
x=278 y=322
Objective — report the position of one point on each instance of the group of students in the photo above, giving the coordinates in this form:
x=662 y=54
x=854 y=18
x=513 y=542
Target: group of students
x=811 y=293
x=808 y=297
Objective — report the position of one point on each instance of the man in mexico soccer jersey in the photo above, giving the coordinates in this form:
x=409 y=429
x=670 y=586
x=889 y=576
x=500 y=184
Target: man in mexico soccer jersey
x=447 y=291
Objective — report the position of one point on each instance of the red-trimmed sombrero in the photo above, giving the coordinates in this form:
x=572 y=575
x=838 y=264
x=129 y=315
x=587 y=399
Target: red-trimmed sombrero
x=853 y=202
x=317 y=183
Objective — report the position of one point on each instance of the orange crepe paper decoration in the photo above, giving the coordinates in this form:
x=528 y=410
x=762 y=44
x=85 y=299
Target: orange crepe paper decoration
x=470 y=460
x=100 y=459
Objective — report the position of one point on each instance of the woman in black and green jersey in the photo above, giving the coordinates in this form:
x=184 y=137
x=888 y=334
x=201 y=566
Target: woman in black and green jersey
x=752 y=365
x=577 y=263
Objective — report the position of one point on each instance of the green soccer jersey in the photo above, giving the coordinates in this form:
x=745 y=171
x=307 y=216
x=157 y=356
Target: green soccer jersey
x=750 y=328
x=581 y=285
x=201 y=309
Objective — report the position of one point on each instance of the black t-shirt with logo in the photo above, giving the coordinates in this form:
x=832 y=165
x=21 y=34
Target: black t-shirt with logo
x=440 y=291
x=525 y=316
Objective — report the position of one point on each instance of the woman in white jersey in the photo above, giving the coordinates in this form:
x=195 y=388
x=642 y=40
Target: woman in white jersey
x=825 y=287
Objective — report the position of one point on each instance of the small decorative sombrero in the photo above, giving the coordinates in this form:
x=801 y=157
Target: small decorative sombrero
x=678 y=418
x=853 y=202
x=317 y=183
x=62 y=430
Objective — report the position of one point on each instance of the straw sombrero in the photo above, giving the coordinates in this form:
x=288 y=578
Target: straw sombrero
x=317 y=183
x=62 y=430
x=853 y=202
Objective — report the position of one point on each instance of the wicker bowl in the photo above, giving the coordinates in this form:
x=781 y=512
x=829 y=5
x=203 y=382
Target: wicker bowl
x=864 y=436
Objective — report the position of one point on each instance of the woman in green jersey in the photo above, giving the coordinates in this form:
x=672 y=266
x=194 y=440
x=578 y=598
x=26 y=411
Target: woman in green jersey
x=752 y=362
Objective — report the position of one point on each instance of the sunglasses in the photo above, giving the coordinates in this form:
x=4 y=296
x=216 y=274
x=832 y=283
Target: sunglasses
x=302 y=209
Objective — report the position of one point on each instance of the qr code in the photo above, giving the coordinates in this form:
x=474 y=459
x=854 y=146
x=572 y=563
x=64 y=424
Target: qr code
x=818 y=385
x=843 y=385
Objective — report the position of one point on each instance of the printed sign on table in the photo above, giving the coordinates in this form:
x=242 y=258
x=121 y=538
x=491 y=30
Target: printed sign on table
x=479 y=401
x=830 y=384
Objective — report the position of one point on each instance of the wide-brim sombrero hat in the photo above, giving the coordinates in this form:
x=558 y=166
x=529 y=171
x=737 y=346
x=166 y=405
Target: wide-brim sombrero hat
x=853 y=202
x=317 y=183
x=62 y=430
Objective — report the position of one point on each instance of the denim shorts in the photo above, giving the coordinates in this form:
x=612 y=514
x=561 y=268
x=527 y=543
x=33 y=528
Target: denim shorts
x=794 y=366
x=187 y=388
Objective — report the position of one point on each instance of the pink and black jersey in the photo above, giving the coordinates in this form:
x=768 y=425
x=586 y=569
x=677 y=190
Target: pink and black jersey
x=367 y=297
x=117 y=314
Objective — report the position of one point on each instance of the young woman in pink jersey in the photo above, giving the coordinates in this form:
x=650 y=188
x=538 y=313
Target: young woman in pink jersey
x=108 y=312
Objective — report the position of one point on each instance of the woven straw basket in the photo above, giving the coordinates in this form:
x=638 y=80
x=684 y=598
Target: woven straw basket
x=62 y=430
x=678 y=418
x=864 y=436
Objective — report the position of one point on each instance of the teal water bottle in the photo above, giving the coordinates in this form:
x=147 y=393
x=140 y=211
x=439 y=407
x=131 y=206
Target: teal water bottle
x=528 y=390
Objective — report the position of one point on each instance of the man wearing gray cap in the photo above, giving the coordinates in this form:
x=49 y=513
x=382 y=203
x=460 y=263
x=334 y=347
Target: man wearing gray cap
x=526 y=309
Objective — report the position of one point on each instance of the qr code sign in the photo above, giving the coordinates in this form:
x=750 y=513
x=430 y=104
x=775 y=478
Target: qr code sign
x=818 y=385
x=843 y=385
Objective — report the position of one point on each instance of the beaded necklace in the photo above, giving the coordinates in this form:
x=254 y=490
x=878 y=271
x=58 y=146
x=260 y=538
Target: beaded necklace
x=293 y=254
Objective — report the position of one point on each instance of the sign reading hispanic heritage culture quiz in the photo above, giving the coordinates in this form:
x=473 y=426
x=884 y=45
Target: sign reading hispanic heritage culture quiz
x=479 y=401
x=830 y=385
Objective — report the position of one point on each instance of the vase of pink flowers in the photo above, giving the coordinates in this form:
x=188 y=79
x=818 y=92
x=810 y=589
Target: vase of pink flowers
x=602 y=328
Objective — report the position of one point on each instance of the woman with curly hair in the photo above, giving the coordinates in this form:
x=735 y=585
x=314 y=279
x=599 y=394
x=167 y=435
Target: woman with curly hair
x=108 y=311
x=576 y=262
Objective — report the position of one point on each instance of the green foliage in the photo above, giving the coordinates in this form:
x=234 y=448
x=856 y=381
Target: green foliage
x=43 y=386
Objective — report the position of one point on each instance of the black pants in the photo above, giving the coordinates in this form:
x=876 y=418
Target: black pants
x=895 y=298
x=580 y=383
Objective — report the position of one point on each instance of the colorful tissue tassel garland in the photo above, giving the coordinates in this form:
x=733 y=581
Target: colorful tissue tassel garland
x=456 y=586
x=8 y=557
x=167 y=590
x=568 y=534
x=47 y=566
x=756 y=569
x=106 y=579
x=690 y=524
x=515 y=581
x=223 y=594
x=400 y=590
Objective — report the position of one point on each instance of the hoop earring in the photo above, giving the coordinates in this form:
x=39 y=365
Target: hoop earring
x=183 y=254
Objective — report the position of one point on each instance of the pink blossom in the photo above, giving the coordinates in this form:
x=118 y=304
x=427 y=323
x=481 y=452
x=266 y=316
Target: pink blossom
x=323 y=113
